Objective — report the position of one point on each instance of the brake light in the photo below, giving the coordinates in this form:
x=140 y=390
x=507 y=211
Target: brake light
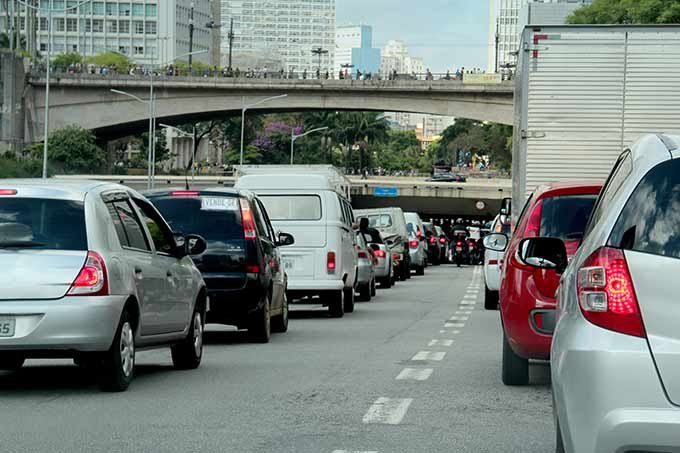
x=8 y=192
x=442 y=241
x=362 y=255
x=252 y=269
x=249 y=231
x=432 y=240
x=533 y=228
x=380 y=254
x=330 y=262
x=459 y=243
x=185 y=193
x=606 y=294
x=413 y=244
x=396 y=256
x=92 y=279
x=493 y=262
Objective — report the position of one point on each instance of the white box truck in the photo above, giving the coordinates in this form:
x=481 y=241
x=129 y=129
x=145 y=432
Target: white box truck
x=584 y=93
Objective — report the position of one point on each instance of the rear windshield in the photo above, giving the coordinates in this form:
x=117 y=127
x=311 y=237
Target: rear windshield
x=380 y=221
x=566 y=217
x=292 y=207
x=214 y=218
x=35 y=223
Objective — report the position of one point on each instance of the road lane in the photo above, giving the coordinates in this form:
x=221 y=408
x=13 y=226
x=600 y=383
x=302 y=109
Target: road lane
x=307 y=391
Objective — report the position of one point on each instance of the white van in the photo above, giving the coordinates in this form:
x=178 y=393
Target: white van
x=313 y=207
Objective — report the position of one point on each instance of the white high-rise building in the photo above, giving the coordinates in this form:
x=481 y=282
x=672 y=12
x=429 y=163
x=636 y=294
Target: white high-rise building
x=395 y=57
x=284 y=33
x=149 y=31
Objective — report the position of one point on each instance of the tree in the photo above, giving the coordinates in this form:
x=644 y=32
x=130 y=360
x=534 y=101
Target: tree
x=11 y=167
x=111 y=59
x=73 y=150
x=627 y=12
x=401 y=152
x=64 y=60
x=162 y=152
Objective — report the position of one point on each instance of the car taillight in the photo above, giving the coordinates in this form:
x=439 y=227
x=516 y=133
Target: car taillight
x=432 y=240
x=493 y=262
x=413 y=244
x=4 y=192
x=606 y=294
x=330 y=262
x=185 y=193
x=380 y=254
x=362 y=255
x=442 y=241
x=396 y=256
x=533 y=228
x=92 y=279
x=252 y=269
x=459 y=244
x=249 y=231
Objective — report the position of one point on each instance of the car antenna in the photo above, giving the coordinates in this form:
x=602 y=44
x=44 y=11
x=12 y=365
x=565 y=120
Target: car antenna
x=186 y=178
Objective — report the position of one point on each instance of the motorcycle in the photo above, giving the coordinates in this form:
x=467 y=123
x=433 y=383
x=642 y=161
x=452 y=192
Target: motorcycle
x=460 y=251
x=476 y=254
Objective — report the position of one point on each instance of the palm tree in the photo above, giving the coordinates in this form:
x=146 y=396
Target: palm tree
x=361 y=129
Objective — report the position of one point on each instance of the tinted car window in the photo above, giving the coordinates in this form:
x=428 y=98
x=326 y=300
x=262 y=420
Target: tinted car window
x=380 y=221
x=566 y=217
x=133 y=227
x=118 y=225
x=650 y=221
x=213 y=218
x=42 y=224
x=292 y=207
x=162 y=239
x=260 y=221
x=621 y=170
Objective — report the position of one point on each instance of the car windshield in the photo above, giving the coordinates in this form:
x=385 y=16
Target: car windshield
x=292 y=207
x=49 y=224
x=565 y=217
x=380 y=221
x=214 y=217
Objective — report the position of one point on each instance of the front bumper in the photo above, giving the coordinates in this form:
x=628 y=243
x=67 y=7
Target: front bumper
x=80 y=324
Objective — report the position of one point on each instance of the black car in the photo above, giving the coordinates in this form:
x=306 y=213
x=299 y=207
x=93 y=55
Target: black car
x=448 y=177
x=242 y=263
x=434 y=247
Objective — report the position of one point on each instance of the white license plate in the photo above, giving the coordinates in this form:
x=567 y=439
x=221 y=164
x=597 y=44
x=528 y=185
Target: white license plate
x=7 y=326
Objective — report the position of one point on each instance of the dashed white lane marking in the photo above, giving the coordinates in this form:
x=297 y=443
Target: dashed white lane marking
x=442 y=331
x=469 y=296
x=429 y=355
x=440 y=343
x=353 y=451
x=415 y=374
x=456 y=325
x=458 y=318
x=388 y=411
x=463 y=312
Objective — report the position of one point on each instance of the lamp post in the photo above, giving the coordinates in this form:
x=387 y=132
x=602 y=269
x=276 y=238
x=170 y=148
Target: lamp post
x=244 y=108
x=319 y=51
x=294 y=137
x=191 y=39
x=193 y=145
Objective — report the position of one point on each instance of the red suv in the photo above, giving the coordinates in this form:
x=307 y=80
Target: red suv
x=527 y=294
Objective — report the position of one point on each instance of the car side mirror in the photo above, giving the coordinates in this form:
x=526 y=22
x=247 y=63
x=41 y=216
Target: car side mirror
x=544 y=253
x=195 y=244
x=496 y=242
x=285 y=239
x=506 y=207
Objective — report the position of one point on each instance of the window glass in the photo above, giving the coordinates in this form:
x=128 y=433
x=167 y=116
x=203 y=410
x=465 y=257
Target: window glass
x=151 y=10
x=622 y=168
x=161 y=237
x=98 y=8
x=292 y=207
x=42 y=224
x=380 y=221
x=133 y=228
x=138 y=10
x=259 y=220
x=650 y=221
x=566 y=217
x=118 y=225
x=267 y=220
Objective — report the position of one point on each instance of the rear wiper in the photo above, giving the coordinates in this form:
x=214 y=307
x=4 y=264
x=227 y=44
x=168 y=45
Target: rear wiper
x=20 y=244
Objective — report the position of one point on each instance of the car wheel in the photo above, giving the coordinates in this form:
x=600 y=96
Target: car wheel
x=349 y=300
x=117 y=365
x=335 y=304
x=260 y=328
x=187 y=355
x=365 y=293
x=515 y=369
x=10 y=361
x=490 y=299
x=385 y=283
x=420 y=270
x=373 y=291
x=280 y=323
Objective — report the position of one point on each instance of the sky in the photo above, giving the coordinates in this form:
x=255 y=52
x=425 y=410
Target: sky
x=448 y=34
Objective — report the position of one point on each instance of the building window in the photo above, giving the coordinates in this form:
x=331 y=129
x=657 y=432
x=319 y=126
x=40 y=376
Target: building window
x=124 y=26
x=151 y=10
x=59 y=24
x=111 y=26
x=124 y=9
x=111 y=9
x=150 y=28
x=139 y=50
x=98 y=8
x=138 y=27
x=72 y=25
x=43 y=24
x=123 y=49
x=98 y=26
x=138 y=10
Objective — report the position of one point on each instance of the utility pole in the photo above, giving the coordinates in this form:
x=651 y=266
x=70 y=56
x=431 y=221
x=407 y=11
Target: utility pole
x=230 y=36
x=319 y=51
x=191 y=38
x=497 y=44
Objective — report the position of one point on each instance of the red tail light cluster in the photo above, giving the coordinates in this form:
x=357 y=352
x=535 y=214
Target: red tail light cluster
x=413 y=244
x=92 y=279
x=249 y=230
x=184 y=193
x=606 y=293
x=459 y=243
x=252 y=269
x=432 y=240
x=380 y=254
x=442 y=241
x=4 y=192
x=362 y=255
x=330 y=262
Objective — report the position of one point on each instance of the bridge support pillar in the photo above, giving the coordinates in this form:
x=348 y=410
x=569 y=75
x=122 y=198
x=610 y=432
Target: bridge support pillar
x=12 y=114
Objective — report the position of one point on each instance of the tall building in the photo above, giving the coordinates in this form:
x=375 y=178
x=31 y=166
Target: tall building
x=354 y=49
x=395 y=57
x=149 y=31
x=285 y=33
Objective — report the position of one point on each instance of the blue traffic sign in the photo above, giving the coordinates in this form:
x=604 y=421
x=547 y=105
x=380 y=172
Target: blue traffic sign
x=386 y=192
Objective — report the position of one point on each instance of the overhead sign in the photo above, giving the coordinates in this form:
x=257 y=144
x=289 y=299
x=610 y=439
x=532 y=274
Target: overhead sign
x=482 y=79
x=385 y=192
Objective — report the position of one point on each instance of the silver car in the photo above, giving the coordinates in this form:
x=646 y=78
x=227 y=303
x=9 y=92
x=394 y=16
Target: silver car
x=365 y=269
x=383 y=268
x=416 y=242
x=92 y=272
x=616 y=348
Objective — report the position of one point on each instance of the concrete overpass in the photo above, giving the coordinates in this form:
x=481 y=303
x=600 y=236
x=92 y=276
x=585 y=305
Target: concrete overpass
x=475 y=198
x=86 y=100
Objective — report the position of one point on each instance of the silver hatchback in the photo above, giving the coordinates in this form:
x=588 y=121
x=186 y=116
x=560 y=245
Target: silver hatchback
x=616 y=348
x=91 y=271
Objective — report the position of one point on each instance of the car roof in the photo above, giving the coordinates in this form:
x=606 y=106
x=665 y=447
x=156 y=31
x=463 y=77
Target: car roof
x=568 y=188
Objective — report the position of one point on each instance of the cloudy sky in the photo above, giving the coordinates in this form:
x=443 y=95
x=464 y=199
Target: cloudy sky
x=446 y=33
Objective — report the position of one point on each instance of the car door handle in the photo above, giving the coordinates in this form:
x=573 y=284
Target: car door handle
x=138 y=273
x=168 y=274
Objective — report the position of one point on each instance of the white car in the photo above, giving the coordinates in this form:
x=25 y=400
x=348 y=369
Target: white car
x=492 y=267
x=311 y=205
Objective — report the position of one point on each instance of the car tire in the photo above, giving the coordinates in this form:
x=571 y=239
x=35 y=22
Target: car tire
x=260 y=327
x=420 y=270
x=117 y=366
x=490 y=299
x=10 y=361
x=335 y=304
x=187 y=355
x=365 y=293
x=515 y=369
x=280 y=322
x=373 y=290
x=385 y=283
x=349 y=300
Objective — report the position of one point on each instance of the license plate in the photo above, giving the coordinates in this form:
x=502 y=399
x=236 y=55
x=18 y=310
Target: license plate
x=459 y=249
x=7 y=326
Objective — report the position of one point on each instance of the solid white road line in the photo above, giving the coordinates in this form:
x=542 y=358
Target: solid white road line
x=353 y=451
x=440 y=343
x=429 y=355
x=456 y=325
x=415 y=374
x=388 y=411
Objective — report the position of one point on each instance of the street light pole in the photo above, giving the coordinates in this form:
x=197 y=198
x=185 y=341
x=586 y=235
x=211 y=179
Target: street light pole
x=244 y=108
x=319 y=51
x=231 y=42
x=191 y=38
x=47 y=93
x=294 y=137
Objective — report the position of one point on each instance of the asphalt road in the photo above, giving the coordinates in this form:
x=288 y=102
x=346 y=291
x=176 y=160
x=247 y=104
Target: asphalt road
x=398 y=375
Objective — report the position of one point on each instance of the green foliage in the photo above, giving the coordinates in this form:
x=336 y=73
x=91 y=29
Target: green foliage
x=11 y=167
x=474 y=137
x=141 y=160
x=73 y=150
x=62 y=61
x=627 y=12
x=401 y=152
x=111 y=59
x=197 y=67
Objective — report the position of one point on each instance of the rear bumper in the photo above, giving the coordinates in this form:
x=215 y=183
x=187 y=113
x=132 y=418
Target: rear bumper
x=417 y=257
x=232 y=306
x=315 y=285
x=78 y=324
x=383 y=269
